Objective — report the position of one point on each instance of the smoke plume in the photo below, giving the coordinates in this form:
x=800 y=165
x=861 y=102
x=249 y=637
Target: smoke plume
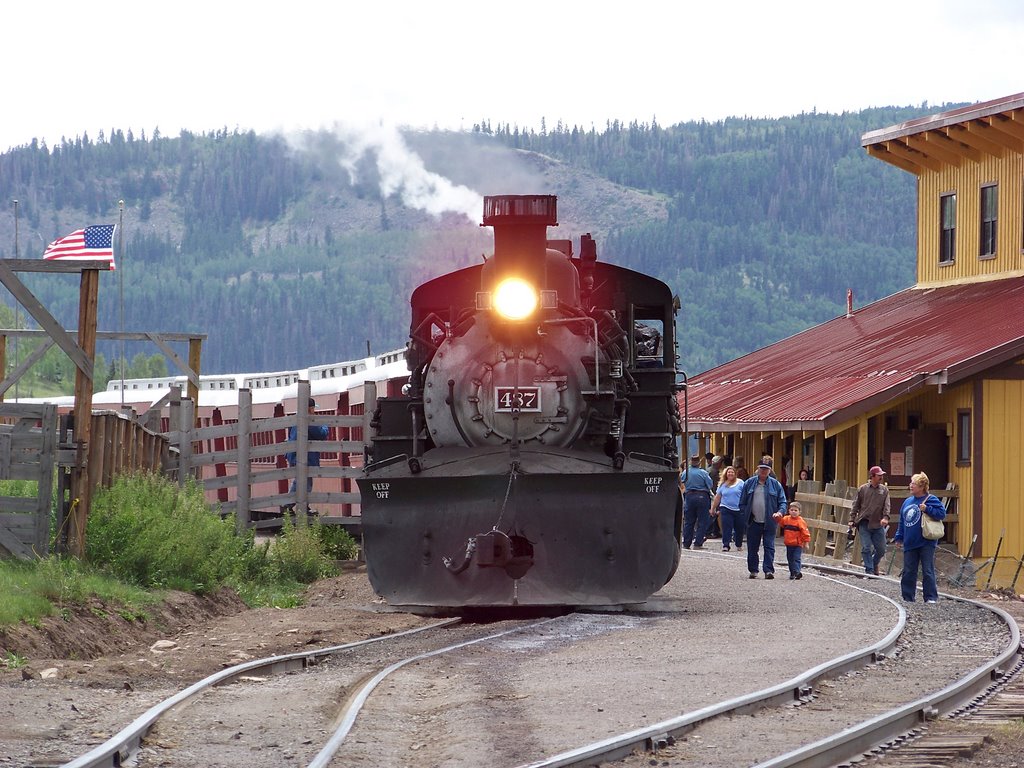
x=400 y=170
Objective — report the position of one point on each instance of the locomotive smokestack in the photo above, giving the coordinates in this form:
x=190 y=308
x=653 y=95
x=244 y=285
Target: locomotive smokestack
x=520 y=233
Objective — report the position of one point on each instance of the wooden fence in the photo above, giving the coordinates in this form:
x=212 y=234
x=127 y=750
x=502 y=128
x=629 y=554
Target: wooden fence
x=257 y=488
x=28 y=441
x=827 y=513
x=35 y=446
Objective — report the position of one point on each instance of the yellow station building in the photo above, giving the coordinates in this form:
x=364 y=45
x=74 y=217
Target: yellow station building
x=930 y=379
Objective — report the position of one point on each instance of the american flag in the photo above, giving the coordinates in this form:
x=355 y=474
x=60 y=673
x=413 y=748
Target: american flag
x=94 y=243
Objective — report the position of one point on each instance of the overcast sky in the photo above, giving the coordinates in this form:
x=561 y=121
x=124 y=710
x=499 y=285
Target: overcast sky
x=72 y=67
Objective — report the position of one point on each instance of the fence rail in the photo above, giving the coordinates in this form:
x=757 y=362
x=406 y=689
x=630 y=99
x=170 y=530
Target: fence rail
x=827 y=514
x=246 y=465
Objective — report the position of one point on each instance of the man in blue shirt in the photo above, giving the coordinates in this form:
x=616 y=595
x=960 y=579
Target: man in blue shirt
x=762 y=503
x=313 y=432
x=697 y=492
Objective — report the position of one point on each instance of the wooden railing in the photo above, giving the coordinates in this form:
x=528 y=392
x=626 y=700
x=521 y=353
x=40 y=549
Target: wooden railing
x=253 y=469
x=827 y=514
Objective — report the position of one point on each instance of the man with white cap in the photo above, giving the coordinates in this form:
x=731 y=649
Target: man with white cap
x=762 y=503
x=870 y=515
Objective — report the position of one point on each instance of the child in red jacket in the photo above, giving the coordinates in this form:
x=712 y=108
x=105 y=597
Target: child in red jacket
x=796 y=536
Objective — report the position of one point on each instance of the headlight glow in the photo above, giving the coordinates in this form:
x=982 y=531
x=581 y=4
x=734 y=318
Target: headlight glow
x=515 y=299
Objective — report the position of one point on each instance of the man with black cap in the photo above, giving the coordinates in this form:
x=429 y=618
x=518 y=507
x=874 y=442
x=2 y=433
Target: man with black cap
x=697 y=492
x=870 y=515
x=763 y=503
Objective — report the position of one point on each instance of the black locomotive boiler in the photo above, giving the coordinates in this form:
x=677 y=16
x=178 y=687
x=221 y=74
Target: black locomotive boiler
x=533 y=457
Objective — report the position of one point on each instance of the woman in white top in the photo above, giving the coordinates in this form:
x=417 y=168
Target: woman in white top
x=727 y=504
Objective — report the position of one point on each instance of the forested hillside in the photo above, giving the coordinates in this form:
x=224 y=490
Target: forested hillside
x=293 y=254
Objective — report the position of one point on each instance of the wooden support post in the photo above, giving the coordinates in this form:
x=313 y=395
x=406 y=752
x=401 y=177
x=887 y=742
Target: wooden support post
x=195 y=349
x=3 y=360
x=819 y=456
x=244 y=492
x=80 y=488
x=861 y=470
x=301 y=448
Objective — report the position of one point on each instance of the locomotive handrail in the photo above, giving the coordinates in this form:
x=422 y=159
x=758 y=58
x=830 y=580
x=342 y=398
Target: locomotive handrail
x=415 y=333
x=661 y=459
x=374 y=465
x=566 y=321
x=684 y=387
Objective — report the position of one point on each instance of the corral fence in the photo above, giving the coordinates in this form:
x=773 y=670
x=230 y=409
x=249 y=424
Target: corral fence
x=242 y=468
x=240 y=464
x=38 y=446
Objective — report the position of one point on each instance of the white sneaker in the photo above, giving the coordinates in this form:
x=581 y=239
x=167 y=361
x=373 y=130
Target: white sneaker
x=931 y=602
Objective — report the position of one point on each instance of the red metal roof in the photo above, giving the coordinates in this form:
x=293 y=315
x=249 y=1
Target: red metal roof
x=850 y=365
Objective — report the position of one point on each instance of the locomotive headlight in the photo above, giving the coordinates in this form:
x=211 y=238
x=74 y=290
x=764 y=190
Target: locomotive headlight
x=515 y=299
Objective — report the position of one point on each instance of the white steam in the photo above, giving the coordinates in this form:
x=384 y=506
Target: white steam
x=402 y=171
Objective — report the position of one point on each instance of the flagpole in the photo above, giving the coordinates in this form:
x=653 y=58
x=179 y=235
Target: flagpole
x=120 y=284
x=17 y=304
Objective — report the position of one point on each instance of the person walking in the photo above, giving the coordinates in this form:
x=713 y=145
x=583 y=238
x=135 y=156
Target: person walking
x=726 y=506
x=870 y=516
x=313 y=432
x=697 y=487
x=918 y=552
x=762 y=496
x=796 y=536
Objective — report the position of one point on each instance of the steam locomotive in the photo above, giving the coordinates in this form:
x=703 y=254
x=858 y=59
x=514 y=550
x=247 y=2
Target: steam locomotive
x=532 y=459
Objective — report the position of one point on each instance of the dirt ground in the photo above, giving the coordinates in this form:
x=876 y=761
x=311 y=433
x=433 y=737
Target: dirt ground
x=188 y=638
x=94 y=645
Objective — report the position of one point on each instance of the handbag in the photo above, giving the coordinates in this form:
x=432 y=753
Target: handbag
x=932 y=529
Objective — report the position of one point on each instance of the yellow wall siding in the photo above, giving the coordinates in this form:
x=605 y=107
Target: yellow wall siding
x=846 y=457
x=966 y=181
x=1002 y=452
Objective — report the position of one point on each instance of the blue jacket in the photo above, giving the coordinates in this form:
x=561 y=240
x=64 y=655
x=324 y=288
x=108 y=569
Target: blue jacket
x=313 y=433
x=909 y=529
x=775 y=499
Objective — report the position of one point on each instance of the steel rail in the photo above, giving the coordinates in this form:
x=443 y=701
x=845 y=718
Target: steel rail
x=121 y=746
x=355 y=705
x=884 y=728
x=797 y=688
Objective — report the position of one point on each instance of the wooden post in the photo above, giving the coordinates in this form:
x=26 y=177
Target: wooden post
x=244 y=491
x=80 y=488
x=301 y=452
x=195 y=349
x=3 y=360
x=187 y=414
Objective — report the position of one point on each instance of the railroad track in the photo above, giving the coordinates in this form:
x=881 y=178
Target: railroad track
x=383 y=717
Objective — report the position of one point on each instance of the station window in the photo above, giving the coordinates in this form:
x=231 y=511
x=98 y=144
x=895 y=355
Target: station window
x=947 y=228
x=963 y=437
x=989 y=209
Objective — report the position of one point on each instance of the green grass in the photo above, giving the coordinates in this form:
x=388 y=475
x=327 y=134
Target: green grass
x=146 y=534
x=29 y=591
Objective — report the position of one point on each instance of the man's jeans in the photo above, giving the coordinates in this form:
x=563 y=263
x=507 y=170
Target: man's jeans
x=758 y=534
x=872 y=547
x=696 y=518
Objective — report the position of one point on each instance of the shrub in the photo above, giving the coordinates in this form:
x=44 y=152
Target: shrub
x=337 y=543
x=298 y=554
x=148 y=531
